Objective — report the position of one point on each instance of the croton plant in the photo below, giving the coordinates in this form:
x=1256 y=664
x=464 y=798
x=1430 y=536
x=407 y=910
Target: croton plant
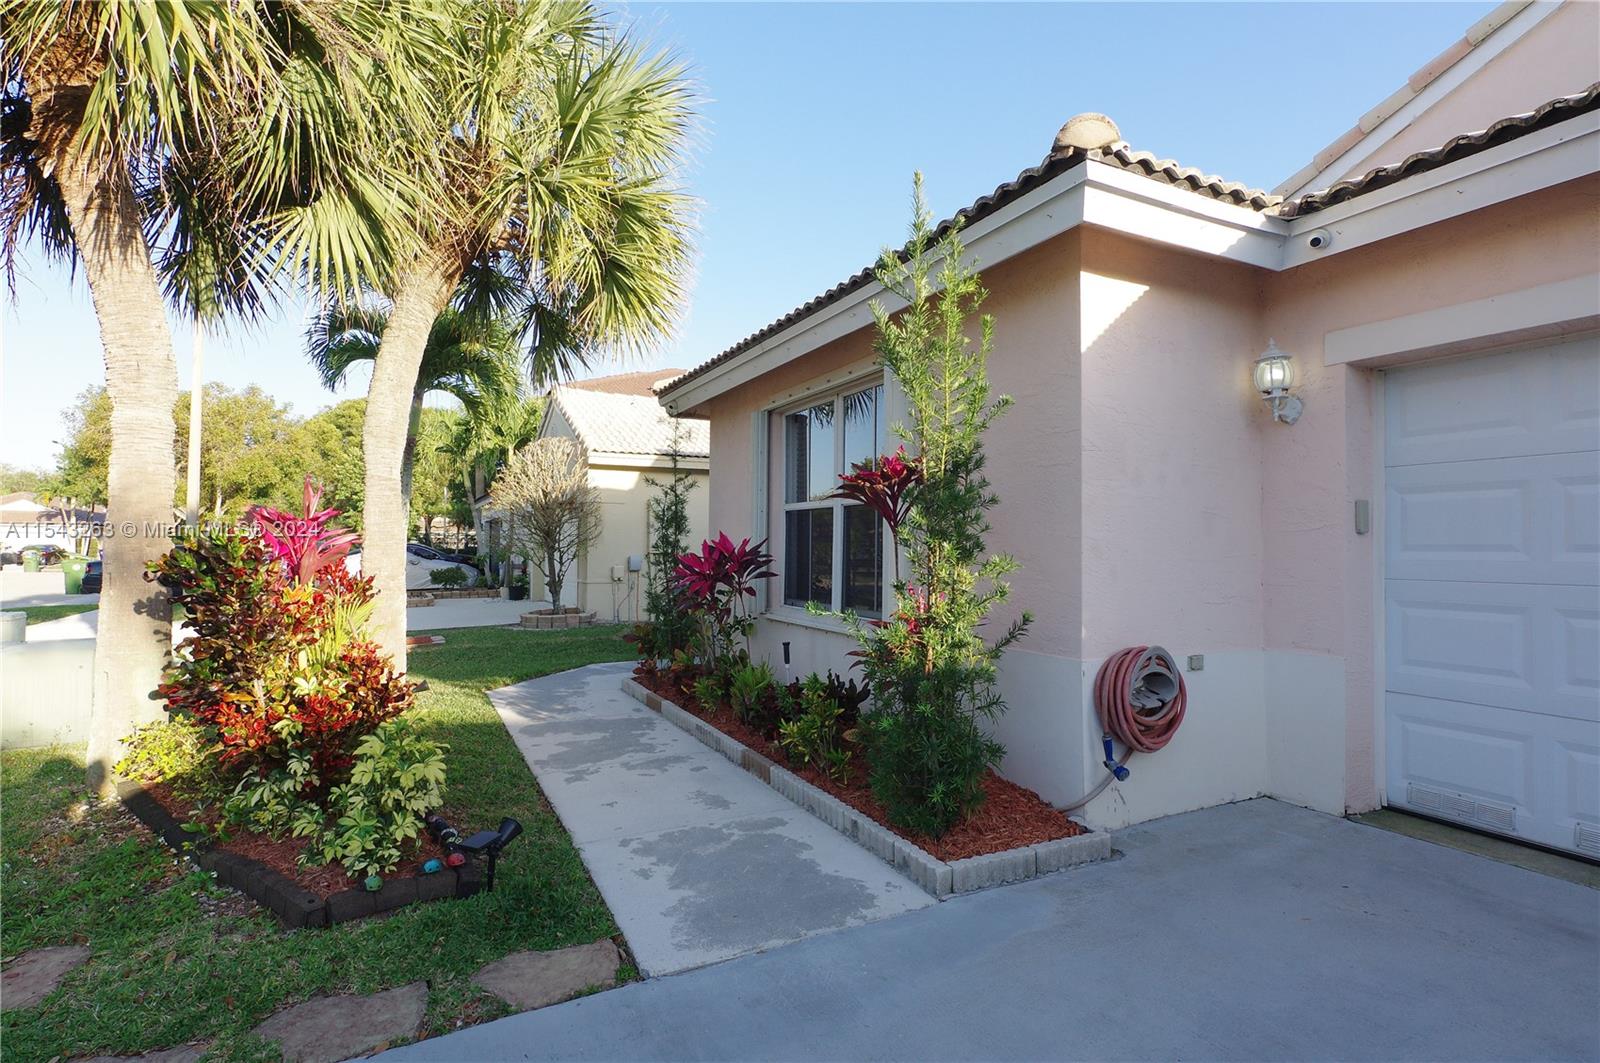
x=277 y=664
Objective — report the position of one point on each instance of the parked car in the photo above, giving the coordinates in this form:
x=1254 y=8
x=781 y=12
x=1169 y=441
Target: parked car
x=434 y=553
x=92 y=577
x=419 y=568
x=419 y=572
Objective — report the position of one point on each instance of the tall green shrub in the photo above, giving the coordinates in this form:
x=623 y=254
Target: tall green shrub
x=671 y=624
x=932 y=674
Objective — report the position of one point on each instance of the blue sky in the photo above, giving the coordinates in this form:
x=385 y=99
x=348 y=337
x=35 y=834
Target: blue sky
x=815 y=116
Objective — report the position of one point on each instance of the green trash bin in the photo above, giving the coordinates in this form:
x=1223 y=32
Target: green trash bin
x=31 y=561
x=73 y=569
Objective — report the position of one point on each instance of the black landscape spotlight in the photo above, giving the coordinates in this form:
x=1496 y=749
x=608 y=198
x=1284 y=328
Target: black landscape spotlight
x=485 y=843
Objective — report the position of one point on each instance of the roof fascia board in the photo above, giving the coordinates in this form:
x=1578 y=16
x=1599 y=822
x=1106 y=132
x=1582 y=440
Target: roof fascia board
x=1049 y=210
x=1500 y=39
x=691 y=463
x=1134 y=204
x=1539 y=160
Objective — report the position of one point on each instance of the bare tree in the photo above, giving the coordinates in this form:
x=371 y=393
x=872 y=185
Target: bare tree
x=552 y=513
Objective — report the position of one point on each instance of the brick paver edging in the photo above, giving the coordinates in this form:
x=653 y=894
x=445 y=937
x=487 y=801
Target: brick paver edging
x=940 y=878
x=294 y=906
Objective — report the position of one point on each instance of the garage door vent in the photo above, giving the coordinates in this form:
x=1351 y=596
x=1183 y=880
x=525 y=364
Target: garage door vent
x=1586 y=838
x=1461 y=807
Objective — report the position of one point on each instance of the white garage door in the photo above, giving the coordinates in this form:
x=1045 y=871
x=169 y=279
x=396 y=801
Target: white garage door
x=1492 y=592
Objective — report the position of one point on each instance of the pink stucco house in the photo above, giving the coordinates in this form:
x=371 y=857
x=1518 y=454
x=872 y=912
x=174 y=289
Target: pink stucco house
x=1395 y=599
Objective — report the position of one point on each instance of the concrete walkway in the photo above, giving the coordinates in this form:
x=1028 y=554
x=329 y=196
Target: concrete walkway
x=468 y=612
x=698 y=861
x=1251 y=931
x=443 y=614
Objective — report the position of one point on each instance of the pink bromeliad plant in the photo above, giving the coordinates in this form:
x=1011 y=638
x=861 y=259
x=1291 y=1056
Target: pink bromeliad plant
x=886 y=485
x=718 y=584
x=303 y=542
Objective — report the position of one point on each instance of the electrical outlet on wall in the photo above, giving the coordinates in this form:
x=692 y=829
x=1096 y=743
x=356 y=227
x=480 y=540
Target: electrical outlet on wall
x=1197 y=662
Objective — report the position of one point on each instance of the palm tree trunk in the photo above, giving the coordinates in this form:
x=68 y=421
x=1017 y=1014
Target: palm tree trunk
x=135 y=634
x=482 y=546
x=419 y=298
x=408 y=457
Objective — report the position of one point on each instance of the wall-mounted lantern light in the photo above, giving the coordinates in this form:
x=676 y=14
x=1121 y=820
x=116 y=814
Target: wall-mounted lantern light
x=1274 y=376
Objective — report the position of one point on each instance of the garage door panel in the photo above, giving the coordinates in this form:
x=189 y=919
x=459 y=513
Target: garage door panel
x=1575 y=404
x=1492 y=592
x=1529 y=776
x=1576 y=781
x=1466 y=749
x=1525 y=520
x=1538 y=401
x=1577 y=541
x=1575 y=664
x=1514 y=645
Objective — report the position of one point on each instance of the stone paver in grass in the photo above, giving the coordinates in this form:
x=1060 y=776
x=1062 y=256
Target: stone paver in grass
x=528 y=980
x=330 y=1029
x=36 y=974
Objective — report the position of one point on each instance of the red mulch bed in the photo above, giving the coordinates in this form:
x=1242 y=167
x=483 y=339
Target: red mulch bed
x=1010 y=816
x=283 y=854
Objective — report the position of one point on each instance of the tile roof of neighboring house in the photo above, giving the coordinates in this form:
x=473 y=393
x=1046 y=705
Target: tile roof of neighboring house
x=613 y=423
x=641 y=383
x=1056 y=163
x=1458 y=147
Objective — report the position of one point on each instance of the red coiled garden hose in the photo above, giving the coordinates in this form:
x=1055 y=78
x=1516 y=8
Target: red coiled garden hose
x=1140 y=697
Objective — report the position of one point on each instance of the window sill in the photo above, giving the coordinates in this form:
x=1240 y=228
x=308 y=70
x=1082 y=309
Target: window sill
x=788 y=614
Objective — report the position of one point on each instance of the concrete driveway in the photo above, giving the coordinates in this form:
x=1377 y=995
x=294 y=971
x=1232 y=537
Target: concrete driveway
x=1252 y=931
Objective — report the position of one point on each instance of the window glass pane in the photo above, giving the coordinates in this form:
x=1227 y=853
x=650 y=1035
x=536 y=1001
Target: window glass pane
x=808 y=454
x=863 y=426
x=863 y=561
x=808 y=557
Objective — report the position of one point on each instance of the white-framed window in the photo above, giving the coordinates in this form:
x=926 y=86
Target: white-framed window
x=832 y=549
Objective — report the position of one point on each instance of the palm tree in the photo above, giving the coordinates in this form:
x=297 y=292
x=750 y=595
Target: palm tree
x=180 y=149
x=548 y=182
x=473 y=360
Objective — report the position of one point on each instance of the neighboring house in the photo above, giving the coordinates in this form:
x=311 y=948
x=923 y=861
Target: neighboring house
x=1393 y=600
x=24 y=521
x=629 y=440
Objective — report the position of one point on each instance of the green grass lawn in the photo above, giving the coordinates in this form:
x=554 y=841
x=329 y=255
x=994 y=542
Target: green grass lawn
x=38 y=614
x=177 y=958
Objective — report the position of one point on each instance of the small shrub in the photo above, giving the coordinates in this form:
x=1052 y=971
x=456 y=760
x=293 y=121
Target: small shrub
x=269 y=801
x=175 y=752
x=927 y=766
x=396 y=780
x=815 y=735
x=748 y=690
x=448 y=577
x=708 y=691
